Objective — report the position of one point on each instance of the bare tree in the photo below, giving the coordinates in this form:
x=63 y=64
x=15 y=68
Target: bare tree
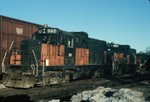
x=148 y=50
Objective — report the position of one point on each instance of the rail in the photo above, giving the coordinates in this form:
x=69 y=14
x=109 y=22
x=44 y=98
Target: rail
x=37 y=69
x=4 y=58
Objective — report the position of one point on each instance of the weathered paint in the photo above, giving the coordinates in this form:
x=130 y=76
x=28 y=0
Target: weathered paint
x=50 y=53
x=82 y=56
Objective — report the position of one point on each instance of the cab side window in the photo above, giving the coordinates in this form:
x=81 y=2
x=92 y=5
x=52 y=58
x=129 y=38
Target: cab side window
x=70 y=42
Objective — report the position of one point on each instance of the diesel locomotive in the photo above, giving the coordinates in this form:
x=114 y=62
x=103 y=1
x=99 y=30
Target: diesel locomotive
x=124 y=59
x=54 y=56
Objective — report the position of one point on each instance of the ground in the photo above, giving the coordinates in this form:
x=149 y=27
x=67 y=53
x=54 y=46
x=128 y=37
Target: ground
x=139 y=81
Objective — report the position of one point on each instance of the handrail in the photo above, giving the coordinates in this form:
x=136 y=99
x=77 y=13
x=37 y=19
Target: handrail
x=4 y=58
x=35 y=62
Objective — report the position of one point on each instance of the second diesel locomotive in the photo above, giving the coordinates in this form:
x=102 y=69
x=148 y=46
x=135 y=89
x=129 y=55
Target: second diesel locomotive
x=54 y=56
x=123 y=58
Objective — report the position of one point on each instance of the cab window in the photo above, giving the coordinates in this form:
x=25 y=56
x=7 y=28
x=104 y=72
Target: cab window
x=70 y=42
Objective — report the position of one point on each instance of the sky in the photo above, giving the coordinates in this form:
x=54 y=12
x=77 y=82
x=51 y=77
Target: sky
x=124 y=22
